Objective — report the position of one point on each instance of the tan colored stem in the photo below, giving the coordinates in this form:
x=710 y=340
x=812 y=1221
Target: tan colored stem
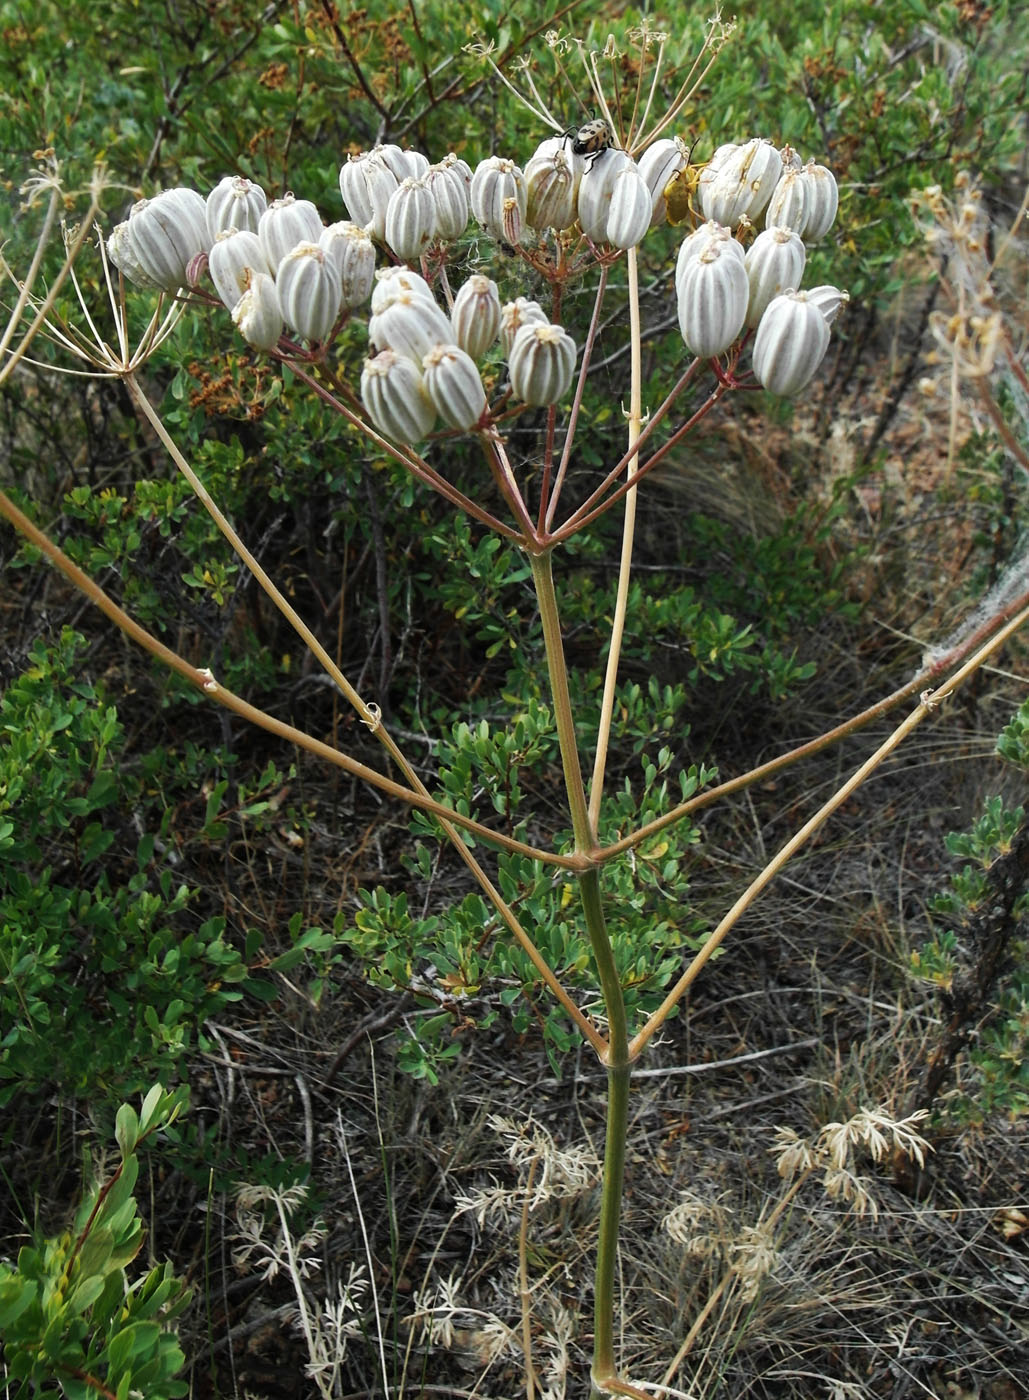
x=927 y=703
x=44 y=308
x=625 y=562
x=523 y=1285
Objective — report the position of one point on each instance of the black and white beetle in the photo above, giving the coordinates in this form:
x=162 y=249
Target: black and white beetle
x=591 y=140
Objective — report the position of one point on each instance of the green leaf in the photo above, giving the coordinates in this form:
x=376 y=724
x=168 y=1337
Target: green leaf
x=126 y=1129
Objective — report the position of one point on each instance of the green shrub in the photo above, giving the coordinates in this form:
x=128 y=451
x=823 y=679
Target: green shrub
x=70 y=1320
x=106 y=972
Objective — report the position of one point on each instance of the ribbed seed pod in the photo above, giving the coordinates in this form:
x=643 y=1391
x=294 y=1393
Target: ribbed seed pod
x=411 y=326
x=742 y=184
x=712 y=299
x=405 y=165
x=475 y=315
x=452 y=383
x=418 y=164
x=235 y=203
x=595 y=190
x=709 y=174
x=658 y=163
x=498 y=197
x=631 y=209
x=166 y=233
x=285 y=223
x=258 y=314
x=353 y=186
x=552 y=176
x=410 y=219
x=353 y=252
x=393 y=392
x=449 y=191
x=788 y=206
x=516 y=314
x=790 y=344
x=541 y=363
x=774 y=263
x=123 y=256
x=460 y=167
x=235 y=256
x=695 y=242
x=391 y=281
x=366 y=183
x=308 y=284
x=829 y=300
x=790 y=159
x=822 y=203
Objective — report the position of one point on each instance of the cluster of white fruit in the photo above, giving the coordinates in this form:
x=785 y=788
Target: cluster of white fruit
x=426 y=362
x=722 y=289
x=276 y=266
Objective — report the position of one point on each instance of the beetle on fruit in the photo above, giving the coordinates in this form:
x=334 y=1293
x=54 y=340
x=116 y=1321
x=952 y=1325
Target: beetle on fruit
x=590 y=140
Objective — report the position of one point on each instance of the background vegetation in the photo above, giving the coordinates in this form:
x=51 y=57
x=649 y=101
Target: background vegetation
x=183 y=902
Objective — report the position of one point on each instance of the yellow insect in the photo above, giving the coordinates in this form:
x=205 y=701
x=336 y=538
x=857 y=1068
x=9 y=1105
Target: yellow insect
x=680 y=193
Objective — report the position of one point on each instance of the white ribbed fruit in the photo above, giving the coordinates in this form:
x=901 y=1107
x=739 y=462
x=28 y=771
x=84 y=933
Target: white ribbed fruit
x=552 y=176
x=541 y=363
x=353 y=252
x=658 y=163
x=595 y=191
x=391 y=281
x=167 y=232
x=829 y=300
x=742 y=184
x=410 y=219
x=123 y=255
x=498 y=198
x=393 y=392
x=516 y=314
x=285 y=223
x=235 y=203
x=774 y=263
x=452 y=383
x=790 y=344
x=788 y=206
x=822 y=204
x=235 y=256
x=410 y=325
x=631 y=208
x=698 y=240
x=475 y=315
x=712 y=299
x=366 y=183
x=308 y=283
x=449 y=189
x=258 y=314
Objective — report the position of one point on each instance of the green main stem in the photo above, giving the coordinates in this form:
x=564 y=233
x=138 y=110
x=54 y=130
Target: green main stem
x=618 y=1070
x=616 y=1057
